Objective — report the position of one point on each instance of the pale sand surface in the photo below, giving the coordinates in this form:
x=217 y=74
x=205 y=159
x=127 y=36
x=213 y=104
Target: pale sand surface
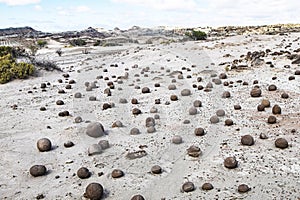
x=271 y=173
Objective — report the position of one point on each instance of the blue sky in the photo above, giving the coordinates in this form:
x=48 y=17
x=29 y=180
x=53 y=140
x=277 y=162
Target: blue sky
x=61 y=15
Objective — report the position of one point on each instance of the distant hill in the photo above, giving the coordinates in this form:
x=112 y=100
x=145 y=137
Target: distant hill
x=20 y=31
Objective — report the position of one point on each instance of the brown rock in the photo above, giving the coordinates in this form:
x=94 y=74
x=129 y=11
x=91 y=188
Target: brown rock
x=83 y=173
x=207 y=186
x=188 y=187
x=137 y=197
x=173 y=97
x=243 y=188
x=271 y=119
x=266 y=103
x=136 y=111
x=230 y=162
x=117 y=173
x=281 y=143
x=194 y=151
x=38 y=170
x=199 y=132
x=44 y=144
x=260 y=108
x=228 y=122
x=94 y=191
x=255 y=92
x=272 y=87
x=156 y=169
x=247 y=140
x=276 y=109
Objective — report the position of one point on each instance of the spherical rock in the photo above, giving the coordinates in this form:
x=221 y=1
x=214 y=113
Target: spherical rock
x=92 y=98
x=94 y=149
x=255 y=92
x=214 y=119
x=284 y=95
x=272 y=87
x=276 y=109
x=153 y=110
x=185 y=92
x=38 y=170
x=297 y=72
x=60 y=102
x=199 y=132
x=89 y=88
x=230 y=162
x=44 y=144
x=220 y=113
x=247 y=140
x=68 y=144
x=117 y=173
x=78 y=119
x=77 y=95
x=43 y=85
x=151 y=129
x=145 y=90
x=134 y=101
x=281 y=143
x=271 y=119
x=197 y=103
x=64 y=113
x=117 y=124
x=134 y=131
x=266 y=103
x=173 y=97
x=177 y=139
x=226 y=94
x=95 y=129
x=263 y=136
x=172 y=87
x=137 y=197
x=260 y=108
x=188 y=187
x=122 y=100
x=150 y=121
x=43 y=108
x=104 y=144
x=237 y=107
x=223 y=76
x=136 y=111
x=94 y=191
x=243 y=188
x=228 y=122
x=83 y=173
x=207 y=186
x=194 y=151
x=193 y=111
x=156 y=169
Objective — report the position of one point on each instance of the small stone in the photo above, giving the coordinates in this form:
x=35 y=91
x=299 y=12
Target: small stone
x=284 y=95
x=173 y=97
x=222 y=76
x=156 y=169
x=177 y=139
x=228 y=122
x=185 y=92
x=43 y=108
x=60 y=102
x=226 y=94
x=104 y=144
x=83 y=173
x=220 y=113
x=134 y=101
x=237 y=107
x=199 y=132
x=193 y=111
x=260 y=108
x=137 y=197
x=172 y=87
x=247 y=140
x=151 y=129
x=94 y=191
x=38 y=170
x=214 y=119
x=263 y=136
x=243 y=188
x=92 y=98
x=117 y=173
x=78 y=119
x=266 y=103
x=117 y=124
x=281 y=143
x=145 y=90
x=95 y=129
x=134 y=131
x=255 y=92
x=197 y=103
x=272 y=87
x=271 y=119
x=188 y=187
x=77 y=95
x=194 y=151
x=44 y=144
x=43 y=85
x=68 y=144
x=230 y=162
x=94 y=149
x=276 y=110
x=207 y=186
x=136 y=111
x=123 y=101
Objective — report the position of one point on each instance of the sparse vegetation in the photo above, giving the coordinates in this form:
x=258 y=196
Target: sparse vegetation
x=197 y=35
x=77 y=42
x=59 y=52
x=41 y=43
x=10 y=68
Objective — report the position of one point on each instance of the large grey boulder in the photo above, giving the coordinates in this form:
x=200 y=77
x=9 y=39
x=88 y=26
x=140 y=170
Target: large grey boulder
x=95 y=129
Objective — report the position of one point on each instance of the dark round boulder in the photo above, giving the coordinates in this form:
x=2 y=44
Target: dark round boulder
x=44 y=144
x=188 y=187
x=272 y=119
x=145 y=90
x=38 y=170
x=94 y=191
x=156 y=169
x=281 y=143
x=230 y=162
x=284 y=95
x=207 y=186
x=60 y=102
x=276 y=110
x=255 y=92
x=272 y=87
x=260 y=108
x=247 y=140
x=199 y=131
x=243 y=188
x=137 y=197
x=136 y=111
x=117 y=173
x=228 y=122
x=173 y=97
x=83 y=173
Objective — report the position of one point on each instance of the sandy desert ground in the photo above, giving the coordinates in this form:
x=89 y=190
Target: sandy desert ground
x=270 y=172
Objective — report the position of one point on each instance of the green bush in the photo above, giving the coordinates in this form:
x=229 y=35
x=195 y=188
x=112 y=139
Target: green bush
x=78 y=42
x=10 y=69
x=41 y=43
x=197 y=35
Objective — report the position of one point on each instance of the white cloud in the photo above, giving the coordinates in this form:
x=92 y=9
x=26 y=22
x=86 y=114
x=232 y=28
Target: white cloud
x=82 y=9
x=19 y=2
x=163 y=4
x=38 y=7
